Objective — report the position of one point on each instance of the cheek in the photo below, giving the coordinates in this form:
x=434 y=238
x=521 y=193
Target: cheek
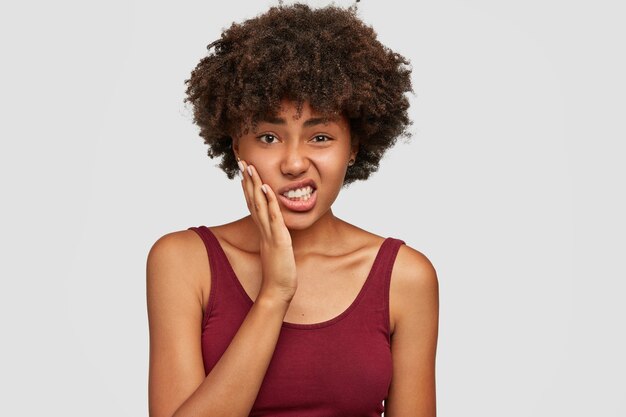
x=262 y=171
x=332 y=164
x=264 y=168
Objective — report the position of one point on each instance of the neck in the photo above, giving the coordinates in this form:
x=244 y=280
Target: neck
x=319 y=237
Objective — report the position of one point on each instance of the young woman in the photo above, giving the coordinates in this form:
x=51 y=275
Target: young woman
x=291 y=311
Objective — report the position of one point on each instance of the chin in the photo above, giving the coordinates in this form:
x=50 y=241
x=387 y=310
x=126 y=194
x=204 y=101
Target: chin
x=292 y=222
x=298 y=225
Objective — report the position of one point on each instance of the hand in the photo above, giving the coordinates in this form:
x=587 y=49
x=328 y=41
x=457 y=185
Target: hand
x=277 y=258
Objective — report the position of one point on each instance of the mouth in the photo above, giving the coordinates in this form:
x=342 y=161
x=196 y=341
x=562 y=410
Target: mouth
x=301 y=199
x=299 y=194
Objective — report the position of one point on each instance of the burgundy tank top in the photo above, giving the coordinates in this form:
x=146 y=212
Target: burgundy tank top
x=340 y=367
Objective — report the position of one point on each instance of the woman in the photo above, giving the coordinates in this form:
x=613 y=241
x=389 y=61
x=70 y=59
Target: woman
x=292 y=311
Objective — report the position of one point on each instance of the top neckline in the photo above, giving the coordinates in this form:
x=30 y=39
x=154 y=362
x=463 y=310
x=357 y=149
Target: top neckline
x=305 y=326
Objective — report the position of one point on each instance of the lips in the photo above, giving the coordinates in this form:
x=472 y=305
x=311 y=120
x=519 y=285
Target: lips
x=299 y=205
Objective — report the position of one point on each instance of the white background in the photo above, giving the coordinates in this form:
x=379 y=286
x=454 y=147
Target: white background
x=513 y=186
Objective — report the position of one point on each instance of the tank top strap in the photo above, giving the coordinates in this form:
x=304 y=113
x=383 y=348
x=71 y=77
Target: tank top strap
x=374 y=308
x=223 y=290
x=216 y=261
x=387 y=263
x=383 y=265
x=388 y=259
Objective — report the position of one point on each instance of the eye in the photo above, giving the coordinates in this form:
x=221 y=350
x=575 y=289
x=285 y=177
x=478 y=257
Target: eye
x=268 y=136
x=323 y=138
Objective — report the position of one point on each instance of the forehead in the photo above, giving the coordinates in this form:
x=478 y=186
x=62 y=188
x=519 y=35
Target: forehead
x=286 y=115
x=307 y=116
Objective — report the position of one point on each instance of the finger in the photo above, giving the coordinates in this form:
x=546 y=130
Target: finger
x=247 y=189
x=259 y=199
x=275 y=216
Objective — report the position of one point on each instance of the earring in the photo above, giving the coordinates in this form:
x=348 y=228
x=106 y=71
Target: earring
x=351 y=162
x=238 y=159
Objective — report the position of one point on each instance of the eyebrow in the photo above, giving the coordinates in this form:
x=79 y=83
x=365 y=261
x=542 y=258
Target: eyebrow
x=308 y=123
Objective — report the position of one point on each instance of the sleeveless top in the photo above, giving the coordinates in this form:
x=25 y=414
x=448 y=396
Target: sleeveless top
x=340 y=367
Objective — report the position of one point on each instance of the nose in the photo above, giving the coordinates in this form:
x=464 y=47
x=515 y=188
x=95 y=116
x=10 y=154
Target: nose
x=295 y=161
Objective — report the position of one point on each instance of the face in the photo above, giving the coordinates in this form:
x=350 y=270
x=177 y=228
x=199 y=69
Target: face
x=285 y=151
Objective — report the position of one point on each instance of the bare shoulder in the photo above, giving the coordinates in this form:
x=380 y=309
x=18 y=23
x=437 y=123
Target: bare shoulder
x=414 y=285
x=412 y=268
x=182 y=247
x=179 y=255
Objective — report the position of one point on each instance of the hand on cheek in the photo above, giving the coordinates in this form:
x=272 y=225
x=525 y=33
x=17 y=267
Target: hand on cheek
x=277 y=258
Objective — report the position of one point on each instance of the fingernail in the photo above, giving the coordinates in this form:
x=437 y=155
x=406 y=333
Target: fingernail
x=263 y=189
x=240 y=166
x=250 y=170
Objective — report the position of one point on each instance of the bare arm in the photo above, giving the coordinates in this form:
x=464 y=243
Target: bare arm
x=177 y=385
x=415 y=290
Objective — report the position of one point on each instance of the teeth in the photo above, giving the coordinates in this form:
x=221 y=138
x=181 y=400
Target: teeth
x=304 y=193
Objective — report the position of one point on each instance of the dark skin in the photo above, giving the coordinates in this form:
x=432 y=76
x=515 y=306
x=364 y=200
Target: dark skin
x=299 y=267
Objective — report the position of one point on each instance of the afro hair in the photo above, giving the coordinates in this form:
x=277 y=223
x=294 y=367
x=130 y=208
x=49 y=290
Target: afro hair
x=327 y=57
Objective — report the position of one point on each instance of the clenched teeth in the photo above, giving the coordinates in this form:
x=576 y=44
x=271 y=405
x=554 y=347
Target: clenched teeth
x=303 y=193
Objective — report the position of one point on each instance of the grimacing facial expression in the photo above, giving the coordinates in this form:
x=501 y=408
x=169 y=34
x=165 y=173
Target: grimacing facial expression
x=286 y=150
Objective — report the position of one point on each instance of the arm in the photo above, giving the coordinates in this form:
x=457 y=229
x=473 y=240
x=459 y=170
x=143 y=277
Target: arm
x=177 y=386
x=415 y=292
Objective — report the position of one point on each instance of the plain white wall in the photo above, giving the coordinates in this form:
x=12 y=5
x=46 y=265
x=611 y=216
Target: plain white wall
x=513 y=186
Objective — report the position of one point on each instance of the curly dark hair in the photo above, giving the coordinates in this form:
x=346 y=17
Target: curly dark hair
x=327 y=57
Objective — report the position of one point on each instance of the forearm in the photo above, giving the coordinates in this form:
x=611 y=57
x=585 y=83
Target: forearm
x=232 y=386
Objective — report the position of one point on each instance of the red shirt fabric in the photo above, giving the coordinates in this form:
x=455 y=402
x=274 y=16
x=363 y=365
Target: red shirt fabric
x=341 y=367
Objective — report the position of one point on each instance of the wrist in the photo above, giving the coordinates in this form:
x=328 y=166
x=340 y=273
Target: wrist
x=274 y=299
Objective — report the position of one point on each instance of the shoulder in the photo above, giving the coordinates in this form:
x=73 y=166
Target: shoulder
x=414 y=287
x=177 y=256
x=179 y=246
x=413 y=268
